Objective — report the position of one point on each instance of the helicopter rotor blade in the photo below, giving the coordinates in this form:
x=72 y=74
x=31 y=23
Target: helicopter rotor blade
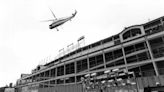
x=47 y=20
x=53 y=13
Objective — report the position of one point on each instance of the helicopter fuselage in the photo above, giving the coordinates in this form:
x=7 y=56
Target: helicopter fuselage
x=56 y=24
x=60 y=21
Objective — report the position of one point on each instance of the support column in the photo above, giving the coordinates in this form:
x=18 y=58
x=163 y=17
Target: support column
x=88 y=62
x=56 y=75
x=152 y=58
x=123 y=52
x=104 y=59
x=64 y=71
x=50 y=74
x=75 y=64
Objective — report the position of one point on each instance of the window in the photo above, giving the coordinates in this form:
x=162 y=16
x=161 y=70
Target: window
x=153 y=27
x=60 y=81
x=135 y=32
x=101 y=67
x=109 y=56
x=53 y=71
x=138 y=58
x=148 y=70
x=96 y=44
x=126 y=35
x=79 y=50
x=143 y=70
x=72 y=53
x=107 y=40
x=99 y=59
x=82 y=65
x=151 y=24
x=78 y=78
x=70 y=68
x=116 y=63
x=52 y=82
x=156 y=41
x=96 y=60
x=41 y=85
x=113 y=55
x=100 y=73
x=143 y=56
x=129 y=49
x=131 y=59
x=70 y=80
x=47 y=74
x=136 y=70
x=60 y=70
x=119 y=62
x=92 y=62
x=157 y=47
x=140 y=46
x=42 y=74
x=85 y=48
x=116 y=37
x=46 y=84
x=116 y=42
x=136 y=47
x=160 y=65
x=131 y=33
x=117 y=53
x=110 y=65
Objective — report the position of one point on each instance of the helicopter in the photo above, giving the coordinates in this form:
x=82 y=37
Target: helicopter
x=56 y=22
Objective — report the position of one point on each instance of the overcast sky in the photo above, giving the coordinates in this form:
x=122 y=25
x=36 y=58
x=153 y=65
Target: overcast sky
x=25 y=41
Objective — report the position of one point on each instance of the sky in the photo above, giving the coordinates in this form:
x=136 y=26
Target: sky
x=25 y=41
